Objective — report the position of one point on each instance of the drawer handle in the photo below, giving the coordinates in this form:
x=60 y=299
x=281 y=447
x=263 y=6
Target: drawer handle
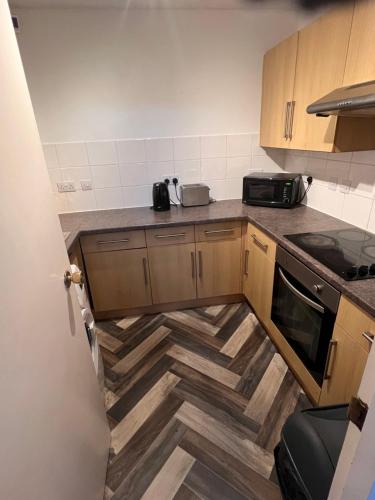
x=200 y=262
x=247 y=252
x=219 y=231
x=192 y=265
x=327 y=373
x=259 y=244
x=111 y=242
x=144 y=261
x=176 y=235
x=368 y=336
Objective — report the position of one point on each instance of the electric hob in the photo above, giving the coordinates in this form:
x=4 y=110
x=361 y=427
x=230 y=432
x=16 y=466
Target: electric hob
x=350 y=253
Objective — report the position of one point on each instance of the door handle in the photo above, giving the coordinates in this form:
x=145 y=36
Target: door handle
x=291 y=119
x=200 y=264
x=219 y=231
x=76 y=278
x=111 y=242
x=192 y=265
x=175 y=235
x=259 y=244
x=327 y=374
x=368 y=336
x=286 y=120
x=299 y=294
x=144 y=262
x=246 y=271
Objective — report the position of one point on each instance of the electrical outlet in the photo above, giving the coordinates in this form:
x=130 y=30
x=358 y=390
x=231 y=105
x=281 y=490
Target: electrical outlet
x=66 y=187
x=86 y=185
x=170 y=178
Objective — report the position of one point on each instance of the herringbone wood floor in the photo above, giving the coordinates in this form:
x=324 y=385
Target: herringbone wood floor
x=196 y=400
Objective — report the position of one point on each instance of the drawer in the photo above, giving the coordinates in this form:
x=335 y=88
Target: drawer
x=355 y=322
x=218 y=231
x=105 y=242
x=262 y=241
x=169 y=236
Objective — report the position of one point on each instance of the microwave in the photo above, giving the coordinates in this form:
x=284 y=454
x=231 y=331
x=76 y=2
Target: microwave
x=272 y=189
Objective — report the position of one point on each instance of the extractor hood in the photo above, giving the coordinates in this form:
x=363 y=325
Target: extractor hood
x=354 y=100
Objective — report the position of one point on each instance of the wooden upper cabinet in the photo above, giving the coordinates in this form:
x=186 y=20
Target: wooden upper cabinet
x=279 y=65
x=360 y=64
x=322 y=50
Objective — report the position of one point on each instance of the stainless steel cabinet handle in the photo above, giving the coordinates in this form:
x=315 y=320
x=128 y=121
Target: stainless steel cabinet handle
x=300 y=295
x=175 y=235
x=218 y=231
x=327 y=373
x=286 y=121
x=144 y=261
x=110 y=242
x=291 y=119
x=200 y=264
x=192 y=265
x=368 y=336
x=259 y=244
x=246 y=271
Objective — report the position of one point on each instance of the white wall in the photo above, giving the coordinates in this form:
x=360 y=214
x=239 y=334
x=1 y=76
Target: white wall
x=99 y=74
x=343 y=186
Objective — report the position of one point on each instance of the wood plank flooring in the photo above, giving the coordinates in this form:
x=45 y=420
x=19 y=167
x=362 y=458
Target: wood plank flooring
x=195 y=400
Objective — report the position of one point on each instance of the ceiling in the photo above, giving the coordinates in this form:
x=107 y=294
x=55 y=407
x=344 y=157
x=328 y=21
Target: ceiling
x=158 y=4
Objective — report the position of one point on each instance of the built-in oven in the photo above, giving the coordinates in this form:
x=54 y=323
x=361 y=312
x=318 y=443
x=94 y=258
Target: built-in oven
x=304 y=308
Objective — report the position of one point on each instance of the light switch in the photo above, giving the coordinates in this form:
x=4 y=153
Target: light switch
x=66 y=187
x=86 y=185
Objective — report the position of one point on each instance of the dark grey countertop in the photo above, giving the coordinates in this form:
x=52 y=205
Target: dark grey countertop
x=274 y=222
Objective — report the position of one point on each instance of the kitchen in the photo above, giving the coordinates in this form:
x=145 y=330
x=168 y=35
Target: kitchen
x=209 y=325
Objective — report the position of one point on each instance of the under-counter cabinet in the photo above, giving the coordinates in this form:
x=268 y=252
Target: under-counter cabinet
x=218 y=250
x=172 y=262
x=347 y=357
x=117 y=271
x=259 y=266
x=279 y=66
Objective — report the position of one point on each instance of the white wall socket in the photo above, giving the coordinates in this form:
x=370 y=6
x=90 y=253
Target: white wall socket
x=66 y=187
x=86 y=185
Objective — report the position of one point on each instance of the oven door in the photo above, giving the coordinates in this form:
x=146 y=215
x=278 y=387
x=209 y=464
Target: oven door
x=305 y=322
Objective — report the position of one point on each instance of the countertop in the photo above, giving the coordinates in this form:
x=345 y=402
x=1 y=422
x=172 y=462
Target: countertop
x=273 y=221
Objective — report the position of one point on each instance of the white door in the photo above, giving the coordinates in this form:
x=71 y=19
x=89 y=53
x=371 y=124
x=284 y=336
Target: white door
x=53 y=433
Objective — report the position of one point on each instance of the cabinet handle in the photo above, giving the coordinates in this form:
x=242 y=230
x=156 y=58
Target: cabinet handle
x=327 y=374
x=175 y=235
x=247 y=252
x=200 y=263
x=291 y=119
x=259 y=244
x=286 y=121
x=110 y=242
x=218 y=231
x=368 y=336
x=144 y=261
x=192 y=265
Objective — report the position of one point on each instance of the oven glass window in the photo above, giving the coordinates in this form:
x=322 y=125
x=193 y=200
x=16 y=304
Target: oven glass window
x=306 y=329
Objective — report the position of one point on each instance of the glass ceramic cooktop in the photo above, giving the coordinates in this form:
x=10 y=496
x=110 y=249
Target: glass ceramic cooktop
x=350 y=253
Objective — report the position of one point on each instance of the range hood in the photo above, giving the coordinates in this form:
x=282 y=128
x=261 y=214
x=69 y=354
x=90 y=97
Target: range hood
x=354 y=100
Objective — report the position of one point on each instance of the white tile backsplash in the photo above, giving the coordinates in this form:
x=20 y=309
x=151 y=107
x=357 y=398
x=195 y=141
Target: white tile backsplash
x=188 y=171
x=159 y=149
x=214 y=168
x=239 y=145
x=131 y=151
x=72 y=154
x=186 y=148
x=133 y=174
x=343 y=185
x=101 y=153
x=214 y=146
x=109 y=198
x=238 y=166
x=50 y=155
x=105 y=176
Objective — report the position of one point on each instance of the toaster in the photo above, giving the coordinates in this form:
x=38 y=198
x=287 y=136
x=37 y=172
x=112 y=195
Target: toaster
x=193 y=195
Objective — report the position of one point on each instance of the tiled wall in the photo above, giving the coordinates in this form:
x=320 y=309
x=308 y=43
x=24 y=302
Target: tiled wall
x=123 y=171
x=343 y=186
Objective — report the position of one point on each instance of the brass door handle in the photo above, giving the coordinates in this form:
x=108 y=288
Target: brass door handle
x=259 y=244
x=76 y=278
x=286 y=120
x=327 y=374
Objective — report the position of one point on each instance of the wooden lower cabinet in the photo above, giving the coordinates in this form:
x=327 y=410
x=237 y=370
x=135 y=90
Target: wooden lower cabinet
x=119 y=279
x=218 y=267
x=173 y=273
x=259 y=266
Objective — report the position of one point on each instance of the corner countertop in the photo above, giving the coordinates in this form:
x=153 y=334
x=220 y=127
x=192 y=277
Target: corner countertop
x=274 y=222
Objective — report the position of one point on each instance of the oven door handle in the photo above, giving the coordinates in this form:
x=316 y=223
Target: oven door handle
x=300 y=295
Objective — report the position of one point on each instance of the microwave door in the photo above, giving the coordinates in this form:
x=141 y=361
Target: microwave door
x=262 y=191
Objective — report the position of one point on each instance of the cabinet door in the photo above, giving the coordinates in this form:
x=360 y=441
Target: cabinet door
x=219 y=267
x=322 y=50
x=279 y=66
x=360 y=64
x=118 y=279
x=173 y=273
x=345 y=369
